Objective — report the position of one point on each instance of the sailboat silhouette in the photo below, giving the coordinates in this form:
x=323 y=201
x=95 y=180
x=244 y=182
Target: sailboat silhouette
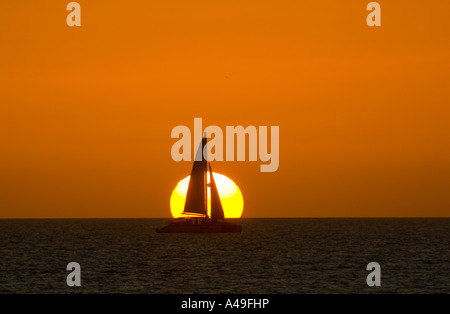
x=196 y=219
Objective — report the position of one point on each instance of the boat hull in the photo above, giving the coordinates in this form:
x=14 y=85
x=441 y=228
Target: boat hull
x=219 y=227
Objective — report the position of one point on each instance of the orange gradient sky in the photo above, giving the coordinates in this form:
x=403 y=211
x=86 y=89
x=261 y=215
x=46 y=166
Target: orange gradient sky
x=86 y=113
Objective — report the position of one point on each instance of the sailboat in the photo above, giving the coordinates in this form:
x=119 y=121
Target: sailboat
x=195 y=215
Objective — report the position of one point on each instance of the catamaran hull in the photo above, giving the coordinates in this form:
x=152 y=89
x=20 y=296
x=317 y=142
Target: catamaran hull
x=201 y=228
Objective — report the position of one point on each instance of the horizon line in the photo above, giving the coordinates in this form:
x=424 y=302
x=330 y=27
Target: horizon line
x=287 y=217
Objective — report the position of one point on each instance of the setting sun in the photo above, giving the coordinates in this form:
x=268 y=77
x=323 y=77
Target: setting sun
x=230 y=197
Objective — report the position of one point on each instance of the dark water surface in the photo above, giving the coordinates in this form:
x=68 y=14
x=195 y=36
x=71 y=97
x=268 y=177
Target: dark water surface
x=269 y=256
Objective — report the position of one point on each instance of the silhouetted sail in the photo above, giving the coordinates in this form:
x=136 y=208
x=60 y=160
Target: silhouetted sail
x=196 y=199
x=197 y=203
x=216 y=205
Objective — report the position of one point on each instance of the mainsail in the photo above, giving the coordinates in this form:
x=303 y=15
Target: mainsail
x=216 y=205
x=196 y=199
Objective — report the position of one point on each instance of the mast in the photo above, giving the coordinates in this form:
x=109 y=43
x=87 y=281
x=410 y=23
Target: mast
x=205 y=172
x=196 y=197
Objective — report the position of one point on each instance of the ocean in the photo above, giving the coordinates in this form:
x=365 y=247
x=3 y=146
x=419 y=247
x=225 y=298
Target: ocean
x=283 y=255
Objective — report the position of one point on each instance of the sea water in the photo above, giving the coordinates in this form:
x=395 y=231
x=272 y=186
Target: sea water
x=269 y=256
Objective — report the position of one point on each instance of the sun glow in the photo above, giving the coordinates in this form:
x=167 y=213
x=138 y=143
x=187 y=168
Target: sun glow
x=230 y=197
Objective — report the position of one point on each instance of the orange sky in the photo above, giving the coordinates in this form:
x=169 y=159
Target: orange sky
x=86 y=113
